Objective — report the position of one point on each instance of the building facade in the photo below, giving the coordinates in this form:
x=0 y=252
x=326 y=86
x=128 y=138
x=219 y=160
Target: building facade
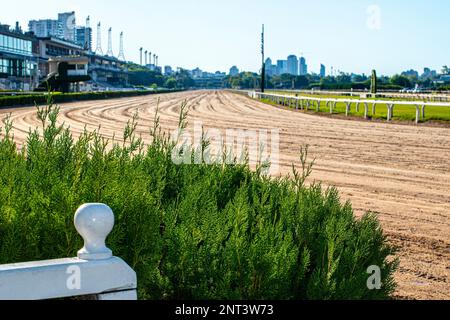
x=28 y=60
x=18 y=69
x=107 y=70
x=50 y=47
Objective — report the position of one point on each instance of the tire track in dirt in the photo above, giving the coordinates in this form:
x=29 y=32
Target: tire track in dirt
x=400 y=172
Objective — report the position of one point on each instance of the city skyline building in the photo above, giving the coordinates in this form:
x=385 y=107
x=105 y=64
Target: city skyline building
x=234 y=71
x=322 y=71
x=64 y=27
x=168 y=70
x=428 y=73
x=83 y=37
x=268 y=66
x=44 y=28
x=67 y=25
x=303 y=67
x=281 y=67
x=292 y=65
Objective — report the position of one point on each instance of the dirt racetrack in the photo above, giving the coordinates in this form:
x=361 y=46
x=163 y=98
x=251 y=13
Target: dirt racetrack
x=401 y=172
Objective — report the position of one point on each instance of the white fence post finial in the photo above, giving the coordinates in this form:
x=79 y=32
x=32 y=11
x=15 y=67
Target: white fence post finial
x=95 y=272
x=94 y=222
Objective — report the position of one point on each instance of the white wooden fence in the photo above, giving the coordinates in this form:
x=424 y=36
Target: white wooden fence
x=94 y=272
x=431 y=97
x=305 y=102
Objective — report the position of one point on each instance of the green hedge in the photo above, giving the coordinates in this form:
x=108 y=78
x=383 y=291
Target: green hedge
x=39 y=99
x=189 y=231
x=389 y=87
x=444 y=88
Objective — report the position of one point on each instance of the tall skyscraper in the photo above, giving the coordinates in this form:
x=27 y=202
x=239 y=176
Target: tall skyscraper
x=44 y=28
x=292 y=65
x=67 y=25
x=83 y=37
x=303 y=67
x=168 y=70
x=63 y=28
x=269 y=69
x=322 y=71
x=234 y=71
x=281 y=67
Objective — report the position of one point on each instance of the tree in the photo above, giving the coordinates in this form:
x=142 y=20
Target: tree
x=171 y=83
x=344 y=78
x=328 y=80
x=359 y=78
x=427 y=83
x=145 y=77
x=301 y=82
x=184 y=80
x=235 y=83
x=402 y=81
x=445 y=70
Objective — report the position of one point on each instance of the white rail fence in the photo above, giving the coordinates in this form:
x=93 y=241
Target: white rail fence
x=306 y=103
x=95 y=272
x=431 y=97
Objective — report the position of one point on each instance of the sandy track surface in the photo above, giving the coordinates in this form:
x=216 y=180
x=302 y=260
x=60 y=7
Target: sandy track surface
x=401 y=172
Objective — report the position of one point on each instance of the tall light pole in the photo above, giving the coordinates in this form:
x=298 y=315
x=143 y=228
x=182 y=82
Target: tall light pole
x=263 y=69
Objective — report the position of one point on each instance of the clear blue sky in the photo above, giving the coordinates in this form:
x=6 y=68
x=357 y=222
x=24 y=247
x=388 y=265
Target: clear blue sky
x=214 y=35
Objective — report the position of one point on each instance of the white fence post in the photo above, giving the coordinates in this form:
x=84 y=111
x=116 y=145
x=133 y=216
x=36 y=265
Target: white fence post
x=366 y=110
x=417 y=114
x=94 y=272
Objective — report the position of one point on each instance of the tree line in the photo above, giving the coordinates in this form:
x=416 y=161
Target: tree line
x=342 y=81
x=182 y=79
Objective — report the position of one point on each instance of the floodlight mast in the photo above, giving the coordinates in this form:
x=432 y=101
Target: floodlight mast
x=263 y=69
x=121 y=51
x=110 y=51
x=87 y=35
x=99 y=50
